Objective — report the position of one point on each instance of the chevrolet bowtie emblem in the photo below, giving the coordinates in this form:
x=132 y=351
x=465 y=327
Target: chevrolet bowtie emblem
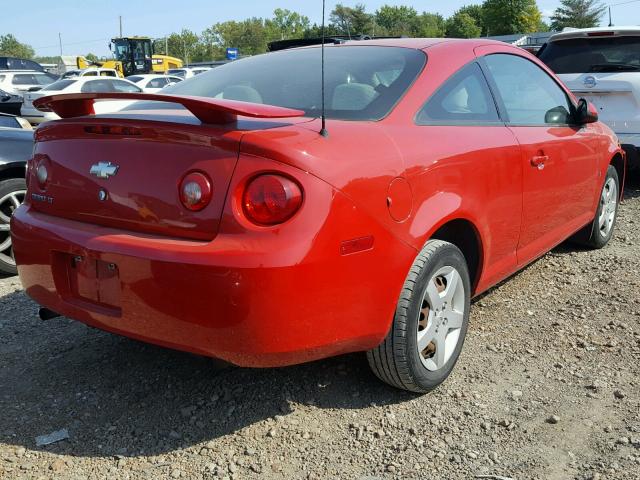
x=103 y=169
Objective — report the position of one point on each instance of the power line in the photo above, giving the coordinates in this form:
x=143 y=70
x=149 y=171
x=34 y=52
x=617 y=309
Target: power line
x=623 y=3
x=74 y=43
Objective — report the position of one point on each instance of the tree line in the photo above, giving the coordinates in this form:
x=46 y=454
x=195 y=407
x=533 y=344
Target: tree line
x=251 y=36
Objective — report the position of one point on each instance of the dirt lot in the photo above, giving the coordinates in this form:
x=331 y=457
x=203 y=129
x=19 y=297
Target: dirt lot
x=547 y=388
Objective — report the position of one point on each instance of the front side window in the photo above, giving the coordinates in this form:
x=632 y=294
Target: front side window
x=529 y=95
x=465 y=98
x=361 y=82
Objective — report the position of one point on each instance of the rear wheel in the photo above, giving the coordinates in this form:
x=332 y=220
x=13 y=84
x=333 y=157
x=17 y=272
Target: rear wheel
x=598 y=233
x=12 y=193
x=430 y=323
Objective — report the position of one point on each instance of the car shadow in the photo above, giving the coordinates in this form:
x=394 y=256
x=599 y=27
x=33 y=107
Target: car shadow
x=117 y=396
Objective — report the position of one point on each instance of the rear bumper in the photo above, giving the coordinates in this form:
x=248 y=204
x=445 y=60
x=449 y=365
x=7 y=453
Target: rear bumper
x=234 y=298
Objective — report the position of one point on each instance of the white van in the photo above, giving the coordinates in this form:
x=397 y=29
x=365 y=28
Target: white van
x=603 y=65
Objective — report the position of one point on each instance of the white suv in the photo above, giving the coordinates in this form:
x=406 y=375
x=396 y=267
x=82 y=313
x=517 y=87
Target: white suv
x=20 y=81
x=603 y=65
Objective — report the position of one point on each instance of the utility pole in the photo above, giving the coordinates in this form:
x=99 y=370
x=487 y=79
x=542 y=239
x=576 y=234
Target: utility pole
x=60 y=40
x=166 y=45
x=120 y=18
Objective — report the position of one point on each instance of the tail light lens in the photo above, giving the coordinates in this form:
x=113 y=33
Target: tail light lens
x=271 y=199
x=195 y=191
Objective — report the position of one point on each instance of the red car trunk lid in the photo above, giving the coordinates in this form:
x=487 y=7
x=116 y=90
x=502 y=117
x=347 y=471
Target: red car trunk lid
x=146 y=159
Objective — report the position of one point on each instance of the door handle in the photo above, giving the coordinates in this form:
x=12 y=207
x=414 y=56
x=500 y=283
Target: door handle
x=539 y=161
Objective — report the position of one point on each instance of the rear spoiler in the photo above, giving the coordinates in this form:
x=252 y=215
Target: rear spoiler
x=207 y=110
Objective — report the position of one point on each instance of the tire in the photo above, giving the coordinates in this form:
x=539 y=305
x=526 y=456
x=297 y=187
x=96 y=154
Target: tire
x=12 y=192
x=426 y=310
x=599 y=232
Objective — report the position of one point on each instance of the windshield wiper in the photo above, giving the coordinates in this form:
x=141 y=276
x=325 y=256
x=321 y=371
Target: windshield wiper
x=614 y=67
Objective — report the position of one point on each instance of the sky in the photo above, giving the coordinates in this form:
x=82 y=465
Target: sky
x=87 y=25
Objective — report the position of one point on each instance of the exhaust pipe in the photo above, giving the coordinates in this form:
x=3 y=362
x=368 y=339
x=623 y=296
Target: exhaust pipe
x=46 y=314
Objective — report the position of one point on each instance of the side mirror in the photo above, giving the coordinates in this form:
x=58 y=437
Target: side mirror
x=557 y=116
x=586 y=112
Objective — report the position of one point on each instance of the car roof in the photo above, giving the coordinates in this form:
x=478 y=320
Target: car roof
x=584 y=32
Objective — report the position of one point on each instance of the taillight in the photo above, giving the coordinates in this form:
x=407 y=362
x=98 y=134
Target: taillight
x=271 y=199
x=195 y=191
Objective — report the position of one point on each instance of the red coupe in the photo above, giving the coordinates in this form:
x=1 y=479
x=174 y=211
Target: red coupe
x=215 y=218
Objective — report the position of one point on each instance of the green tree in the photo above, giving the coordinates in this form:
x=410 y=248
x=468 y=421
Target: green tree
x=248 y=36
x=577 y=14
x=182 y=45
x=11 y=47
x=396 y=20
x=286 y=24
x=91 y=57
x=352 y=21
x=475 y=12
x=462 y=25
x=505 y=17
x=430 y=25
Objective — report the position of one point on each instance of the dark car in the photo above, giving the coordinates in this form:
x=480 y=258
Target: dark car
x=10 y=103
x=16 y=147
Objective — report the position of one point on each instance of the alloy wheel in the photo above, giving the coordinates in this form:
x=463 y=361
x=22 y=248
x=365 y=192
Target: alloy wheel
x=608 y=206
x=8 y=204
x=441 y=318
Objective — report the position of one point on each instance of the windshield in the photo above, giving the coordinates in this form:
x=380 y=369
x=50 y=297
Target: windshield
x=596 y=54
x=362 y=82
x=59 y=85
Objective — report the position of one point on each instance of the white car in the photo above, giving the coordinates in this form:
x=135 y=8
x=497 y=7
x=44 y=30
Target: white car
x=153 y=83
x=187 y=72
x=603 y=66
x=90 y=72
x=19 y=81
x=79 y=85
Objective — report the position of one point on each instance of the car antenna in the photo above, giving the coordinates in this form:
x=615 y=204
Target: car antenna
x=323 y=130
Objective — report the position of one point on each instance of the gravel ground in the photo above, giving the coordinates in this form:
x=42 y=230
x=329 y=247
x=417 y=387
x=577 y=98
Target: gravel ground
x=547 y=388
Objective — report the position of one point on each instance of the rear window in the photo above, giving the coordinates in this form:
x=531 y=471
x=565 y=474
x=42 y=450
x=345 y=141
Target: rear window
x=59 y=85
x=595 y=54
x=362 y=82
x=179 y=73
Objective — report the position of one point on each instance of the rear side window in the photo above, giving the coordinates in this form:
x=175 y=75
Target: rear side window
x=529 y=95
x=10 y=122
x=92 y=73
x=24 y=79
x=107 y=73
x=463 y=99
x=59 y=85
x=595 y=54
x=124 y=87
x=157 y=83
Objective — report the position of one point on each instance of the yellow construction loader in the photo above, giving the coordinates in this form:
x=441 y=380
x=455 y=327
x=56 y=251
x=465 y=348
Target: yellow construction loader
x=133 y=55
